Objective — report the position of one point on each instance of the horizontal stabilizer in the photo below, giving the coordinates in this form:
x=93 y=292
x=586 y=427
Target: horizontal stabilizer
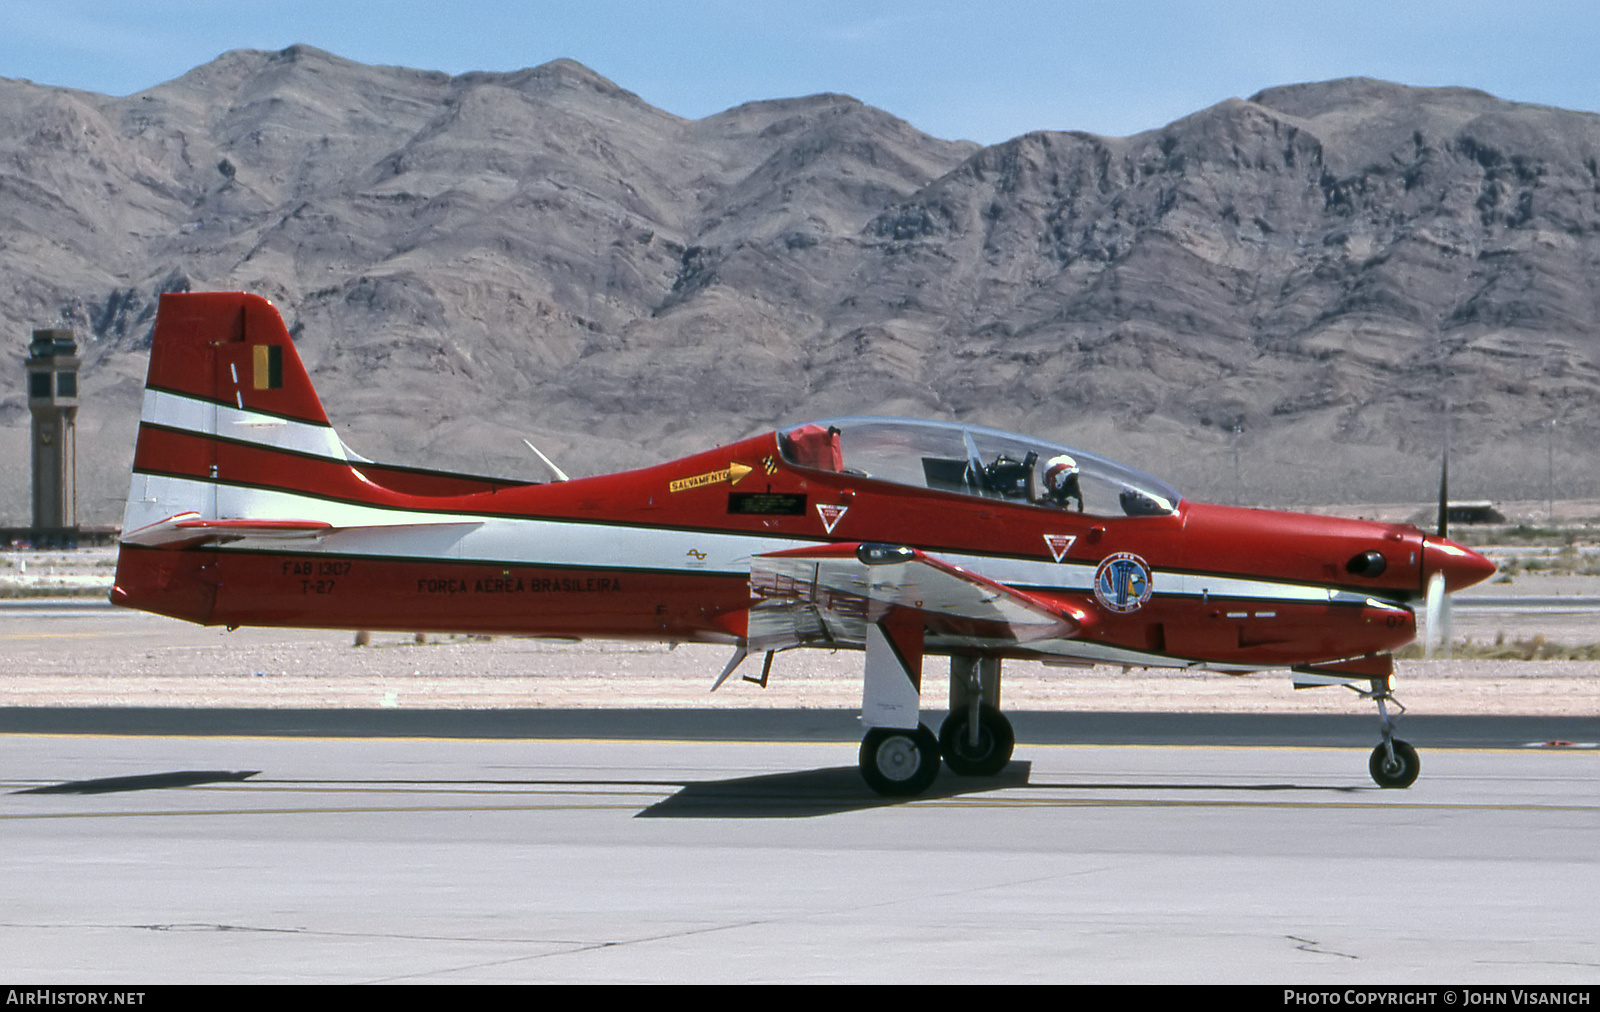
x=188 y=530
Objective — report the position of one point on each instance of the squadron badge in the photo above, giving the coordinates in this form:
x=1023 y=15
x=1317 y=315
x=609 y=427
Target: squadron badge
x=1122 y=583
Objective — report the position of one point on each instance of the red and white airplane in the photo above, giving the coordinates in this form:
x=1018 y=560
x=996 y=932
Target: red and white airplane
x=901 y=538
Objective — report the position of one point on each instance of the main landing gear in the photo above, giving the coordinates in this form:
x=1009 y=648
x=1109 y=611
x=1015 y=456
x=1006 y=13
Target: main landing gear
x=1394 y=763
x=898 y=763
x=976 y=748
x=976 y=740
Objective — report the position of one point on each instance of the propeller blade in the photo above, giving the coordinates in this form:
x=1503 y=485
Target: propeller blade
x=1447 y=626
x=1444 y=495
x=1437 y=603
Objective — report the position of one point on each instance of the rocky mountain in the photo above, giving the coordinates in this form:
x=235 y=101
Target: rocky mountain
x=1286 y=298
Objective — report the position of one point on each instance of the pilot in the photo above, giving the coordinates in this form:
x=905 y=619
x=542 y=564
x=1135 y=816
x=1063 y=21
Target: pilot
x=1061 y=482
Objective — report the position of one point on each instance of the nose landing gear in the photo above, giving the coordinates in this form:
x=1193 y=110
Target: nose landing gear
x=1394 y=763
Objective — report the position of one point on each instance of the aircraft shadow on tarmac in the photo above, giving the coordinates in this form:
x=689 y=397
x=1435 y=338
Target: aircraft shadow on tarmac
x=811 y=792
x=800 y=794
x=840 y=789
x=144 y=782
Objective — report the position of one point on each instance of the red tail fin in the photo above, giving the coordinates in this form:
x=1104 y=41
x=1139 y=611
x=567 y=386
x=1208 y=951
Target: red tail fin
x=231 y=348
x=228 y=411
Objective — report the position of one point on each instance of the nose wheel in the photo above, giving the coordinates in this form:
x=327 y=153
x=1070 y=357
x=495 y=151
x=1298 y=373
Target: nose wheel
x=1394 y=763
x=899 y=763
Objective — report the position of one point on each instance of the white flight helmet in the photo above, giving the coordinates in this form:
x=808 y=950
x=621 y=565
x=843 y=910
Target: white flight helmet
x=1057 y=470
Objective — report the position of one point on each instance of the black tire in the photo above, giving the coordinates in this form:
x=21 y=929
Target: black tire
x=1400 y=773
x=996 y=740
x=898 y=763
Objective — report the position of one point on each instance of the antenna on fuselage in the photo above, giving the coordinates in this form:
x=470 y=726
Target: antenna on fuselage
x=1443 y=529
x=560 y=474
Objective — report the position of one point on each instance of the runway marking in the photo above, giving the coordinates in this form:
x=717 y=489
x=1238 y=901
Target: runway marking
x=619 y=792
x=348 y=810
x=1447 y=806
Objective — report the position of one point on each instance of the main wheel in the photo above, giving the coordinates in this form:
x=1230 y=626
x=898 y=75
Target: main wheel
x=899 y=763
x=1401 y=771
x=989 y=756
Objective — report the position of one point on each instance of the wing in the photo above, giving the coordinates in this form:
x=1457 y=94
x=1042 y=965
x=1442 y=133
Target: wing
x=828 y=595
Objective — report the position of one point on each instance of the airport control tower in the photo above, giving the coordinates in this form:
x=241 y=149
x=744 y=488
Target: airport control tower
x=53 y=398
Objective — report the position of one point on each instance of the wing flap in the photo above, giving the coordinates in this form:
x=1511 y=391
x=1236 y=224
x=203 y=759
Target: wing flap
x=831 y=593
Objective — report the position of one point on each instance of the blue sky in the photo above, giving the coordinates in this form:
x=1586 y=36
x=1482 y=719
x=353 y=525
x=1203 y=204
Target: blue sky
x=983 y=72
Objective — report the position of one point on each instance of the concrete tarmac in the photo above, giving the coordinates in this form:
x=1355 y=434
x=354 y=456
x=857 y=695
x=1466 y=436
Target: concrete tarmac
x=169 y=858
x=189 y=805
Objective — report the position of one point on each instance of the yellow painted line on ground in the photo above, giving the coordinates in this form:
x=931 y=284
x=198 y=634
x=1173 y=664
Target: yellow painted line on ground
x=845 y=805
x=851 y=744
x=510 y=791
x=346 y=810
x=1451 y=806
x=371 y=791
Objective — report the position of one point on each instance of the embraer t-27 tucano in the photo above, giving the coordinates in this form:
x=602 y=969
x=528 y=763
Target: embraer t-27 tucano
x=900 y=538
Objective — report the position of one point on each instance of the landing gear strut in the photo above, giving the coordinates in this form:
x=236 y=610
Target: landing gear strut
x=1394 y=763
x=976 y=738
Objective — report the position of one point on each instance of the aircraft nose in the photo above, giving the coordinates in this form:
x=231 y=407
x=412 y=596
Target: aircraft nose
x=1462 y=567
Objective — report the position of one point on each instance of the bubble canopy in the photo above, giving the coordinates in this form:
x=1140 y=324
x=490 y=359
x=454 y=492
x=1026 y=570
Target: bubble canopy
x=972 y=460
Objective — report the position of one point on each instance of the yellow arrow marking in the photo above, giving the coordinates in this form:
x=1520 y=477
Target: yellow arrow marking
x=732 y=474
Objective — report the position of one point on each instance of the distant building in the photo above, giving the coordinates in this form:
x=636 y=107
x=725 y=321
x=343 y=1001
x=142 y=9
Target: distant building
x=53 y=399
x=1475 y=513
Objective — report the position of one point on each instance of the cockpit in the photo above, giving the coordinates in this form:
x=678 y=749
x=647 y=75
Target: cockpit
x=976 y=461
